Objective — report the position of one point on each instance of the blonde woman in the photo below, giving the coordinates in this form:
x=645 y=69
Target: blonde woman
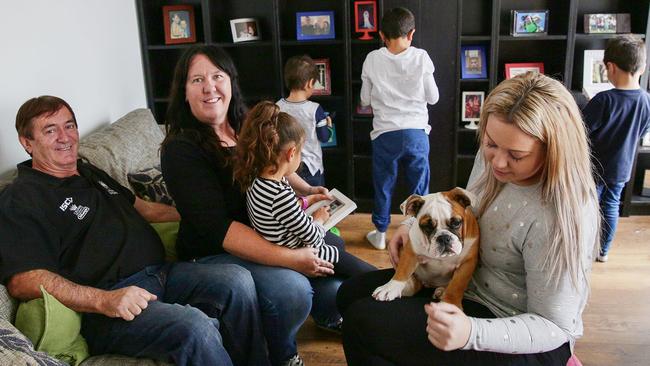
x=539 y=221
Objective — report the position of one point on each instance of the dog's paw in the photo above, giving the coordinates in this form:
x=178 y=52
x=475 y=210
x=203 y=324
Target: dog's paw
x=390 y=291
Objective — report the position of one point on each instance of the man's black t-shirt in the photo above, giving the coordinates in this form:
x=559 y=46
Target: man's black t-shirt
x=83 y=228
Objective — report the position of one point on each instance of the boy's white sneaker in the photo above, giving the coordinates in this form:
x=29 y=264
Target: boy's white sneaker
x=377 y=239
x=602 y=258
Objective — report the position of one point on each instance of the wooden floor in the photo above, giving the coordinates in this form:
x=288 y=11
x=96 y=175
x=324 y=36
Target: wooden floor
x=616 y=320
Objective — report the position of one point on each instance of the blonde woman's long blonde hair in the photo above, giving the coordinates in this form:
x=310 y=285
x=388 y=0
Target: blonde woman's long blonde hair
x=542 y=108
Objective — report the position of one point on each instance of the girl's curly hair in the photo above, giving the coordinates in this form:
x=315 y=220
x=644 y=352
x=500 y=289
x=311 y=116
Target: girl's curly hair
x=264 y=134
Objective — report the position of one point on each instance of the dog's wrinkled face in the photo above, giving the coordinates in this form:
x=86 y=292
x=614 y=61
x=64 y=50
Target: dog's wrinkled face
x=438 y=231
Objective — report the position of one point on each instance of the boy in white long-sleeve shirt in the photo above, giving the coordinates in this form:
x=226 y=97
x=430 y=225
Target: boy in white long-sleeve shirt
x=398 y=83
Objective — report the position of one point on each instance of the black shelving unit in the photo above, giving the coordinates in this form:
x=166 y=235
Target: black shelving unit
x=260 y=66
x=487 y=23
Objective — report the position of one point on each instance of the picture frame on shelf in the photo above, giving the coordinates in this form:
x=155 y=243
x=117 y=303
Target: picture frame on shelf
x=179 y=24
x=312 y=25
x=529 y=22
x=332 y=140
x=365 y=18
x=473 y=62
x=245 y=29
x=607 y=23
x=471 y=104
x=323 y=85
x=514 y=69
x=594 y=73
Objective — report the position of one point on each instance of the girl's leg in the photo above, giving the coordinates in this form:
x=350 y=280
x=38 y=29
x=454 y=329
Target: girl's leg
x=324 y=309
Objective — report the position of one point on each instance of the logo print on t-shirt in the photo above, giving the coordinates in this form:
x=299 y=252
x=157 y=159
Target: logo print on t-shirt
x=78 y=210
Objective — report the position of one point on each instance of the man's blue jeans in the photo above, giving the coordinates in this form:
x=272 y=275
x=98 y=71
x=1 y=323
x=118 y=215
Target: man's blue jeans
x=406 y=148
x=609 y=195
x=204 y=315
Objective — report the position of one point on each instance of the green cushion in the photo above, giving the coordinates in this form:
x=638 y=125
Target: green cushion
x=168 y=232
x=53 y=328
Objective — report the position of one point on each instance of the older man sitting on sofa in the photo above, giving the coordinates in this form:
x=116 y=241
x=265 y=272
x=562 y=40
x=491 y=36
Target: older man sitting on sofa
x=69 y=229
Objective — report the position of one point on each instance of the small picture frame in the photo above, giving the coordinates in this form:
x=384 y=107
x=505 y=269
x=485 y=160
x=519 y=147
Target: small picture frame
x=607 y=23
x=245 y=29
x=594 y=73
x=340 y=207
x=514 y=69
x=471 y=104
x=332 y=140
x=529 y=22
x=365 y=18
x=179 y=24
x=315 y=25
x=473 y=62
x=323 y=85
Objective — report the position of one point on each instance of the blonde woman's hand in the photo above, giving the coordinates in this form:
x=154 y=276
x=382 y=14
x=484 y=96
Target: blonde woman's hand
x=448 y=328
x=399 y=239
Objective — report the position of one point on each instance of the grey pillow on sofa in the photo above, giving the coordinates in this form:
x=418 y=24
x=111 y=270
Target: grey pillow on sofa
x=15 y=349
x=149 y=185
x=128 y=145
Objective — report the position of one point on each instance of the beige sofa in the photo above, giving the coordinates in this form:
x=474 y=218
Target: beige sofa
x=129 y=145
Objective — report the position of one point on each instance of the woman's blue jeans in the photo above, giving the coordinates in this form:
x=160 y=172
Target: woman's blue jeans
x=609 y=195
x=204 y=315
x=286 y=298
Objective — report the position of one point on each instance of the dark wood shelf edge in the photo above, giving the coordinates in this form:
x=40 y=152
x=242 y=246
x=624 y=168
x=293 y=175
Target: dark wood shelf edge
x=605 y=35
x=552 y=37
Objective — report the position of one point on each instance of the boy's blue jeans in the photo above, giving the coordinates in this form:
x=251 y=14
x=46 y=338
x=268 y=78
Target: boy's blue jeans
x=204 y=315
x=406 y=148
x=609 y=195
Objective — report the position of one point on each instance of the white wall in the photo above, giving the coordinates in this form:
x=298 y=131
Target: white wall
x=84 y=51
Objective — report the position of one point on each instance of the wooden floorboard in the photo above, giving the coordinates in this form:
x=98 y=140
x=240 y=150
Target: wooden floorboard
x=616 y=320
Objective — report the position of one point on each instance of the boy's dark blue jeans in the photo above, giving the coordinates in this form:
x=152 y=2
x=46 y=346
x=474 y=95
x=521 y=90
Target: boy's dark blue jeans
x=609 y=196
x=205 y=314
x=406 y=148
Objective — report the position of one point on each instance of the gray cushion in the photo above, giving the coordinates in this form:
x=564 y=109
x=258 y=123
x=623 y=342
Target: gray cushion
x=15 y=349
x=128 y=145
x=117 y=360
x=149 y=185
x=7 y=178
x=8 y=305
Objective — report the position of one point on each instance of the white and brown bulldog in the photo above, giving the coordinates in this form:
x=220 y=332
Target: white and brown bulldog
x=442 y=250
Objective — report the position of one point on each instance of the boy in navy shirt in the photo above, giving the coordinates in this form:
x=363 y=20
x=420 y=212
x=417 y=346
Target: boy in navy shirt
x=616 y=120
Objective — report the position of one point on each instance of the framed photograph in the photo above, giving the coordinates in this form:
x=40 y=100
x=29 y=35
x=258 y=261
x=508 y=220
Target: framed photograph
x=515 y=69
x=179 y=24
x=340 y=207
x=529 y=22
x=607 y=23
x=365 y=18
x=473 y=62
x=245 y=29
x=315 y=25
x=471 y=104
x=323 y=86
x=332 y=141
x=594 y=74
